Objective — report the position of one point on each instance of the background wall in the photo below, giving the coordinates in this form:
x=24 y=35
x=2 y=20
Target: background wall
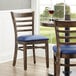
x=14 y=4
x=6 y=26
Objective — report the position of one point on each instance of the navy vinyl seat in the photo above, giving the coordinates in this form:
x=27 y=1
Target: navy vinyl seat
x=31 y=38
x=66 y=49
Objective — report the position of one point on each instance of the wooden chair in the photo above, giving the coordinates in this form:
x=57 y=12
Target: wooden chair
x=65 y=44
x=24 y=35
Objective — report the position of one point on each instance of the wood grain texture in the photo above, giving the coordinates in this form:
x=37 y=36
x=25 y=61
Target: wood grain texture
x=38 y=69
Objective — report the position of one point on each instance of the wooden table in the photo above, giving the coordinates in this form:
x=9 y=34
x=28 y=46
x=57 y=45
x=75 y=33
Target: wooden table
x=47 y=24
x=66 y=69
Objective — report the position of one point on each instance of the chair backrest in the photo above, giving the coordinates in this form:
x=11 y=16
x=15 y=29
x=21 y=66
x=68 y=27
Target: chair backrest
x=23 y=22
x=65 y=29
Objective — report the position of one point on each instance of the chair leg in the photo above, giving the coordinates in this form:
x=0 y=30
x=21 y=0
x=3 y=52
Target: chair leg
x=57 y=67
x=25 y=56
x=34 y=58
x=15 y=54
x=47 y=54
x=54 y=65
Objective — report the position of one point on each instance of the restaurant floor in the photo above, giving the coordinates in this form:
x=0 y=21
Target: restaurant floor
x=39 y=69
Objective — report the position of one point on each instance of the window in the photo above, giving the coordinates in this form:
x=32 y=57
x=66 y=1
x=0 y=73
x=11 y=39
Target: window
x=72 y=6
x=62 y=9
x=35 y=7
x=56 y=4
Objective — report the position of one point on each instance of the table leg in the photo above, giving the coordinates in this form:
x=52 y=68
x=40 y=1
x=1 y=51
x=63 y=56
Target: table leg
x=67 y=69
x=67 y=61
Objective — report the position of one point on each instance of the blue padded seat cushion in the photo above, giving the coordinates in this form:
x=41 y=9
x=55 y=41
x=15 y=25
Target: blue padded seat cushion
x=66 y=49
x=31 y=38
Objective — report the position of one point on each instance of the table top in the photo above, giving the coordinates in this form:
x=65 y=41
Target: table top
x=47 y=23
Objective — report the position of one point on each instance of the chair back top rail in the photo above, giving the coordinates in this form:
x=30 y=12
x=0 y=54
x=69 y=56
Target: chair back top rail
x=65 y=23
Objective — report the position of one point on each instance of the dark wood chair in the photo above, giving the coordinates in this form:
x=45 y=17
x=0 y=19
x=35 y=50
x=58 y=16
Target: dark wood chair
x=64 y=49
x=24 y=35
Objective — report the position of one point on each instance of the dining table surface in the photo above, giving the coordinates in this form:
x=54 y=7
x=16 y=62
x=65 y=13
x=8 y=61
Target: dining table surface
x=52 y=24
x=47 y=23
